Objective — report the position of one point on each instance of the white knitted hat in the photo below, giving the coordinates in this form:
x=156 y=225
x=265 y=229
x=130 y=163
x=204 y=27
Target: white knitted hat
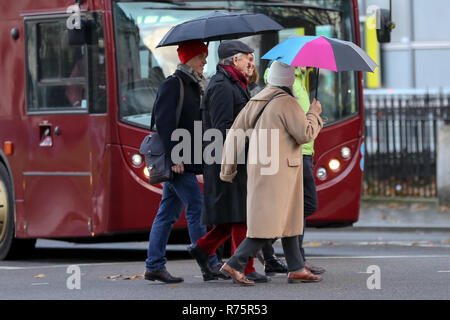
x=281 y=75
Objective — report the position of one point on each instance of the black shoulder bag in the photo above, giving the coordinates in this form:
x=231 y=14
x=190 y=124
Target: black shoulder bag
x=157 y=161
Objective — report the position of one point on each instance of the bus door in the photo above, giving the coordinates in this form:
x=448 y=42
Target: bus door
x=65 y=124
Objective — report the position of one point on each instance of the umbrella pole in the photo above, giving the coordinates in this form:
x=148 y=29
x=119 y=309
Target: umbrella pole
x=317 y=82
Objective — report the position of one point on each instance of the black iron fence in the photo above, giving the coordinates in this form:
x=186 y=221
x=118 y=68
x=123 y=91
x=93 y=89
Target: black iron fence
x=401 y=142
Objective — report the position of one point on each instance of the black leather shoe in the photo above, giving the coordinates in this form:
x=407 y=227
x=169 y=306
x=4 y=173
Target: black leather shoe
x=161 y=275
x=258 y=278
x=202 y=260
x=220 y=275
x=274 y=265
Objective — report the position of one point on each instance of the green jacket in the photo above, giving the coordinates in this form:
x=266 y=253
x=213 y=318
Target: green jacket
x=303 y=101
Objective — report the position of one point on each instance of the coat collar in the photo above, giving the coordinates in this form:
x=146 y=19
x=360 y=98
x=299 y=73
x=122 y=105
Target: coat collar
x=186 y=79
x=268 y=92
x=234 y=81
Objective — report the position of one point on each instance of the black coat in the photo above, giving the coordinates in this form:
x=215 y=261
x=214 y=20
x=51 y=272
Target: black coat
x=165 y=113
x=223 y=202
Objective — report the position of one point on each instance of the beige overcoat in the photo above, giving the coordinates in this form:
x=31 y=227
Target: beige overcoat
x=274 y=190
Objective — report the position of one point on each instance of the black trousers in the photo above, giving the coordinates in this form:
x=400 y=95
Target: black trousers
x=250 y=246
x=310 y=204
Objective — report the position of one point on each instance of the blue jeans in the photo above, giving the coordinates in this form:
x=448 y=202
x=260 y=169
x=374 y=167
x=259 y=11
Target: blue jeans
x=183 y=190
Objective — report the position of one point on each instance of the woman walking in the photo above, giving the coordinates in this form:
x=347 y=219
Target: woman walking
x=274 y=201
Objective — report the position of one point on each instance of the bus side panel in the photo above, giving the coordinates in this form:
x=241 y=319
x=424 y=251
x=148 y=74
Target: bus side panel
x=12 y=102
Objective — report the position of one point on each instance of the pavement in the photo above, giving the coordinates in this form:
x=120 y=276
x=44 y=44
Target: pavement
x=403 y=214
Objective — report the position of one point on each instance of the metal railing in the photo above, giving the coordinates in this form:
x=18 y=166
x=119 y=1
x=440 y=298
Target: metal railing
x=401 y=131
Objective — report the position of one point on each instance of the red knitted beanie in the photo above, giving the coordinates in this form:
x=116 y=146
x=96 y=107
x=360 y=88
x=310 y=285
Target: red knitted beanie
x=190 y=49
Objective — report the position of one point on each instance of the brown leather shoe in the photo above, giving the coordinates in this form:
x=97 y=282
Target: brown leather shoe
x=314 y=269
x=237 y=276
x=303 y=276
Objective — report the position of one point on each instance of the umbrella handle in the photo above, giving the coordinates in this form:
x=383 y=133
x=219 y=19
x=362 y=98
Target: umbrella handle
x=317 y=82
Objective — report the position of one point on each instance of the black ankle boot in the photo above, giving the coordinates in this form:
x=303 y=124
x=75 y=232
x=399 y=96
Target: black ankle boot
x=202 y=260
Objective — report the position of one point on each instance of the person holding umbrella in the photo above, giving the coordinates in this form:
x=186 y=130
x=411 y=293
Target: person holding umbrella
x=275 y=209
x=184 y=189
x=267 y=254
x=225 y=203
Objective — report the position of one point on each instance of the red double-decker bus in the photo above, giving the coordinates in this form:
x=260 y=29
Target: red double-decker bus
x=76 y=104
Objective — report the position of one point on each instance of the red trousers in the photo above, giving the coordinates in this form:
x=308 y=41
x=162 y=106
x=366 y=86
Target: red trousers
x=221 y=233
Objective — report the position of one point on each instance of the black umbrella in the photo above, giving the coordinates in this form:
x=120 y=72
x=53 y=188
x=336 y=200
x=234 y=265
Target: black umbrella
x=220 y=26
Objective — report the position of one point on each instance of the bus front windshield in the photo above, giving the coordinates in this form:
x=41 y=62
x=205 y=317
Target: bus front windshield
x=140 y=26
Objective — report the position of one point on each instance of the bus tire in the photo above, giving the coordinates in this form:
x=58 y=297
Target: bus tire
x=10 y=247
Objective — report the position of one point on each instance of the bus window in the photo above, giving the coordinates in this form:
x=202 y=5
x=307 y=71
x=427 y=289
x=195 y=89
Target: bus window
x=139 y=27
x=63 y=77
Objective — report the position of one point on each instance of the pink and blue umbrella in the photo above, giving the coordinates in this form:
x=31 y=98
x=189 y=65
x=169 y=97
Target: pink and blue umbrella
x=322 y=53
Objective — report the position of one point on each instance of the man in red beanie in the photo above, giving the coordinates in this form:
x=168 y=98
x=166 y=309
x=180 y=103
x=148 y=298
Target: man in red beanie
x=190 y=49
x=183 y=190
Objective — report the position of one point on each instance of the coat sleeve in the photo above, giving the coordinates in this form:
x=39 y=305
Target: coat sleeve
x=234 y=147
x=165 y=111
x=303 y=128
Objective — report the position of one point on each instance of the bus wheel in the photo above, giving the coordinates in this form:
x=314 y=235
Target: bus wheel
x=10 y=248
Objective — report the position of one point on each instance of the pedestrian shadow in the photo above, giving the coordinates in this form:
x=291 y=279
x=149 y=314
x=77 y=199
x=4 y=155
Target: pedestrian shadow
x=98 y=255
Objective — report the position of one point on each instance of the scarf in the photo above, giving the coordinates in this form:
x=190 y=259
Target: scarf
x=195 y=76
x=238 y=75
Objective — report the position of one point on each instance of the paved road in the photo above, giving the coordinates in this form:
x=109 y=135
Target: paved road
x=411 y=265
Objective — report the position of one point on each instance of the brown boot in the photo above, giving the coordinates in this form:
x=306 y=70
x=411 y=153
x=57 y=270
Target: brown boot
x=303 y=276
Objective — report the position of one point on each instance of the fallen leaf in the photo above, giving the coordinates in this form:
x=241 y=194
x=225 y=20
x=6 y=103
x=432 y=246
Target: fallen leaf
x=133 y=277
x=117 y=276
x=312 y=244
x=393 y=205
x=39 y=276
x=418 y=207
x=446 y=241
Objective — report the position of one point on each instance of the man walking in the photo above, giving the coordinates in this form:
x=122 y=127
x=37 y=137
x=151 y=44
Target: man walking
x=184 y=189
x=225 y=203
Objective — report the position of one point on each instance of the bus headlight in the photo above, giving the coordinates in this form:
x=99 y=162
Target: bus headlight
x=334 y=164
x=321 y=173
x=146 y=172
x=346 y=153
x=136 y=159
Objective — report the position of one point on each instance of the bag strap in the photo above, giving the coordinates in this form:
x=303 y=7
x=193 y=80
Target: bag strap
x=179 y=105
x=263 y=108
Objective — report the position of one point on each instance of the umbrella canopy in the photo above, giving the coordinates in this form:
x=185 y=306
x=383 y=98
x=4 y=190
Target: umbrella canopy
x=323 y=53
x=220 y=26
